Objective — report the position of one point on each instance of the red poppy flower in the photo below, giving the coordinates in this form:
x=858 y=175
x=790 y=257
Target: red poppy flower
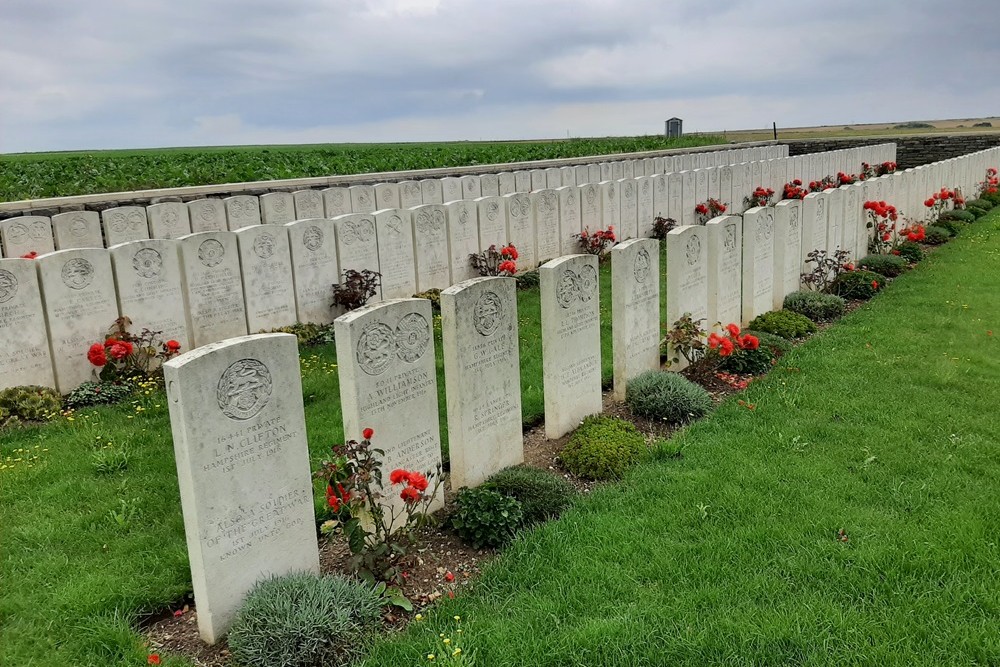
x=368 y=433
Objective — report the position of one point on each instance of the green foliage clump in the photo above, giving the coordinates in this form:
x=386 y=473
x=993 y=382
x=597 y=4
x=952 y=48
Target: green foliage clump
x=817 y=306
x=304 y=620
x=953 y=226
x=434 y=296
x=486 y=518
x=776 y=344
x=668 y=396
x=958 y=215
x=603 y=447
x=935 y=235
x=527 y=280
x=977 y=211
x=542 y=494
x=98 y=393
x=859 y=284
x=785 y=323
x=30 y=403
x=308 y=333
x=888 y=265
x=748 y=362
x=982 y=203
x=910 y=251
x=993 y=198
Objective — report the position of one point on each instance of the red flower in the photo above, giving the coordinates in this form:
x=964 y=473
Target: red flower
x=713 y=340
x=173 y=346
x=874 y=284
x=119 y=351
x=750 y=342
x=507 y=266
x=410 y=495
x=701 y=209
x=448 y=576
x=797 y=181
x=722 y=208
x=848 y=267
x=510 y=251
x=111 y=341
x=96 y=356
x=726 y=348
x=332 y=500
x=153 y=659
x=368 y=433
x=398 y=476
x=733 y=329
x=418 y=481
x=30 y=255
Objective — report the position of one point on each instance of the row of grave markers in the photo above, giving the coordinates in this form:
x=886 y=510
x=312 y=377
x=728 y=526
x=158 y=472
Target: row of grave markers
x=237 y=413
x=26 y=233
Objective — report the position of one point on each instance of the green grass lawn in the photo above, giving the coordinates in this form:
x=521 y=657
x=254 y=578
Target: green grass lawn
x=38 y=175
x=884 y=426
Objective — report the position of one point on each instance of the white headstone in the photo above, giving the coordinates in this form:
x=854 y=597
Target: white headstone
x=835 y=229
x=277 y=208
x=24 y=357
x=629 y=221
x=687 y=275
x=206 y=215
x=336 y=201
x=214 y=287
x=538 y=179
x=725 y=271
x=611 y=203
x=79 y=229
x=463 y=238
x=758 y=262
x=521 y=229
x=362 y=198
x=243 y=469
x=431 y=192
x=388 y=383
x=595 y=173
x=241 y=211
x=787 y=249
x=430 y=239
x=313 y=247
x=482 y=378
x=471 y=187
x=451 y=188
x=124 y=223
x=814 y=225
x=489 y=185
x=569 y=219
x=644 y=190
x=409 y=194
x=506 y=183
x=567 y=176
x=548 y=241
x=689 y=199
x=357 y=246
x=492 y=222
x=266 y=265
x=635 y=308
x=150 y=287
x=78 y=294
x=394 y=231
x=590 y=207
x=571 y=341
x=308 y=204
x=522 y=181
x=26 y=234
x=387 y=196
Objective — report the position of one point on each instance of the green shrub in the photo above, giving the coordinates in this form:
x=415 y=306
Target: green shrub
x=98 y=393
x=304 y=620
x=668 y=396
x=748 y=362
x=817 y=306
x=308 y=333
x=603 y=448
x=542 y=494
x=527 y=280
x=992 y=198
x=959 y=215
x=859 y=284
x=953 y=226
x=984 y=204
x=776 y=344
x=935 y=235
x=486 y=518
x=28 y=403
x=910 y=251
x=434 y=296
x=977 y=211
x=889 y=266
x=785 y=323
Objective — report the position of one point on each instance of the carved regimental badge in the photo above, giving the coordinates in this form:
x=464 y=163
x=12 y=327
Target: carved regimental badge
x=730 y=241
x=357 y=231
x=211 y=252
x=765 y=227
x=693 y=250
x=263 y=245
x=312 y=238
x=412 y=336
x=207 y=212
x=77 y=273
x=488 y=313
x=641 y=266
x=376 y=348
x=8 y=285
x=147 y=263
x=244 y=389
x=78 y=227
x=576 y=287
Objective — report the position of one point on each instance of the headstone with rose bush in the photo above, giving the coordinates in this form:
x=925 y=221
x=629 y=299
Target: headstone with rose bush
x=635 y=308
x=214 y=287
x=24 y=358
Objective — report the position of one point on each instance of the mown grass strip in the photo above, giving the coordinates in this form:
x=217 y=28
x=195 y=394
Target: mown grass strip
x=849 y=518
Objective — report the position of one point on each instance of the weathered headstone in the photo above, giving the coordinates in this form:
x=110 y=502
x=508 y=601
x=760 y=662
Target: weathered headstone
x=431 y=191
x=571 y=341
x=241 y=211
x=595 y=173
x=471 y=187
x=611 y=203
x=787 y=249
x=24 y=357
x=521 y=229
x=388 y=383
x=538 y=180
x=169 y=220
x=357 y=246
x=545 y=204
x=489 y=185
x=629 y=220
x=567 y=177
x=522 y=181
x=313 y=247
x=835 y=229
x=266 y=265
x=569 y=218
x=206 y=215
x=26 y=234
x=553 y=178
x=277 y=208
x=150 y=288
x=394 y=231
x=687 y=275
x=758 y=262
x=689 y=199
x=409 y=194
x=644 y=192
x=387 y=196
x=243 y=469
x=506 y=183
x=814 y=225
x=336 y=201
x=79 y=229
x=123 y=224
x=308 y=204
x=362 y=198
x=463 y=238
x=635 y=309
x=482 y=378
x=590 y=207
x=492 y=221
x=214 y=287
x=78 y=295
x=451 y=188
x=725 y=270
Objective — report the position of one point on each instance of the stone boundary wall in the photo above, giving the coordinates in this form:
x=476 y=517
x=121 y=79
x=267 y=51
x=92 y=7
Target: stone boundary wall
x=911 y=151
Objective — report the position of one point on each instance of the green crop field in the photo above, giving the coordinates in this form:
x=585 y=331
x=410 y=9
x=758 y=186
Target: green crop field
x=39 y=175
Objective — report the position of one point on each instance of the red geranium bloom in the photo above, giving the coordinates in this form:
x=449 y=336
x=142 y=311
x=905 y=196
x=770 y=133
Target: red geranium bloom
x=410 y=495
x=507 y=266
x=726 y=348
x=713 y=340
x=733 y=329
x=750 y=342
x=96 y=356
x=418 y=481
x=368 y=433
x=510 y=251
x=398 y=476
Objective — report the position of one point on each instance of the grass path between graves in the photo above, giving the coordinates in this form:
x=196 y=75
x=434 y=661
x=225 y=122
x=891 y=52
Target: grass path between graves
x=884 y=427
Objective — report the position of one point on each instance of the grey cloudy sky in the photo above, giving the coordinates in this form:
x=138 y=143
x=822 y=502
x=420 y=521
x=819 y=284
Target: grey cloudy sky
x=137 y=73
